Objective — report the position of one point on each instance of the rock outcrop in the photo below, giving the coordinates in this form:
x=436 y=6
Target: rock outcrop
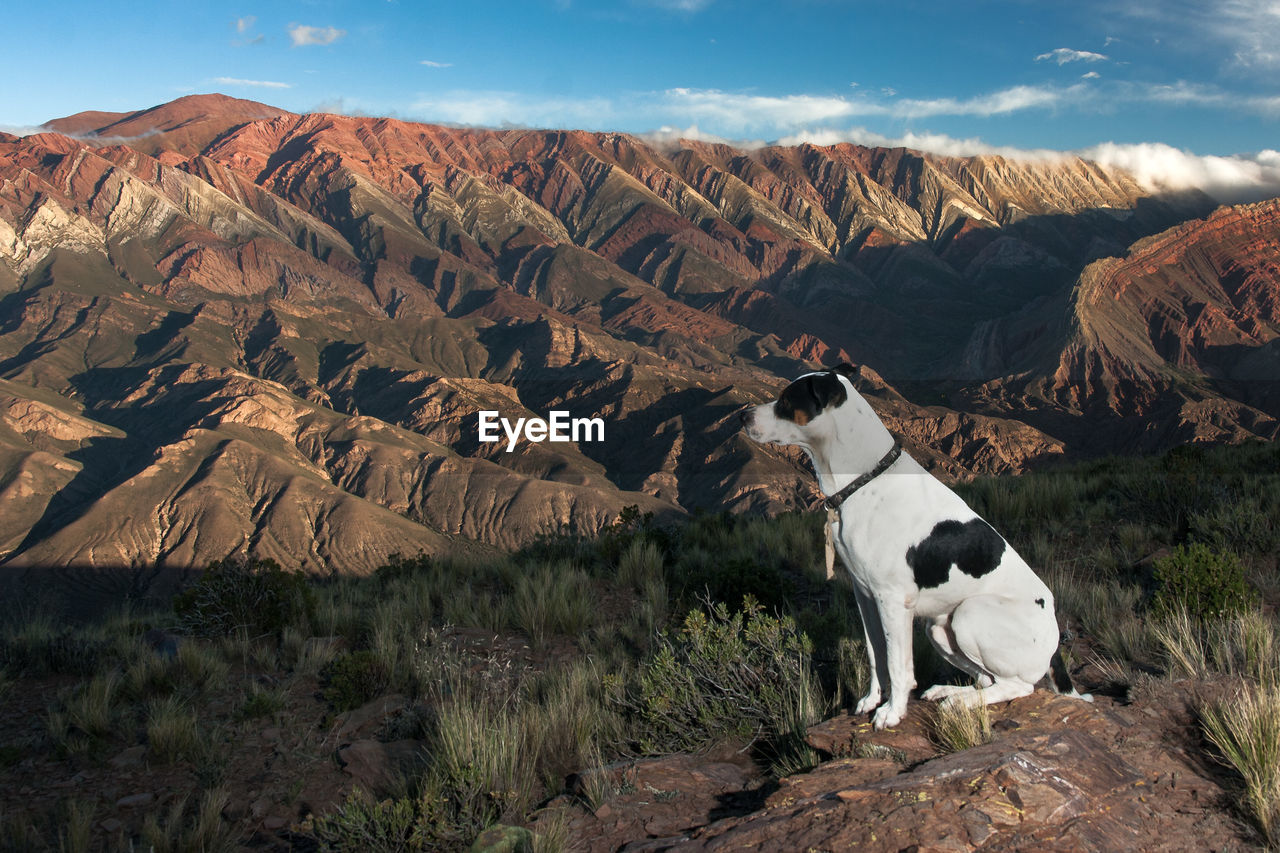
x=1060 y=774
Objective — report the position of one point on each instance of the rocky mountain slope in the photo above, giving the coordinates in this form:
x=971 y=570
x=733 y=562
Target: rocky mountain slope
x=225 y=328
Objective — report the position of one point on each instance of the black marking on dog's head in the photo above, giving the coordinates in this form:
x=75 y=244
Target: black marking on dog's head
x=804 y=399
x=973 y=547
x=1040 y=601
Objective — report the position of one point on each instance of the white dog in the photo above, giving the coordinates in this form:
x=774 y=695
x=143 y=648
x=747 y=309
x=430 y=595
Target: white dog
x=915 y=549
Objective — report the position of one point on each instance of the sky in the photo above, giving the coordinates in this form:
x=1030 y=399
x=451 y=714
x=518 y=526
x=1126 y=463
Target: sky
x=1186 y=90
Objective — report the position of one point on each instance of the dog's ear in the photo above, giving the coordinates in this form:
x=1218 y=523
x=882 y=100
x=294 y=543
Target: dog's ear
x=845 y=369
x=826 y=390
x=804 y=399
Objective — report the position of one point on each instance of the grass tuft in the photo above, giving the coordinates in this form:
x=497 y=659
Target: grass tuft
x=956 y=726
x=262 y=701
x=75 y=835
x=196 y=830
x=173 y=732
x=1246 y=730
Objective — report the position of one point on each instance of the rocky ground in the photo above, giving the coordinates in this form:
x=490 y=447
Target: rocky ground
x=1060 y=774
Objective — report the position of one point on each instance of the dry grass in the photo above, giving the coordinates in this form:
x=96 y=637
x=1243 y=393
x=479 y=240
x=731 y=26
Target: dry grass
x=75 y=835
x=198 y=830
x=173 y=733
x=1246 y=730
x=87 y=716
x=1241 y=644
x=957 y=726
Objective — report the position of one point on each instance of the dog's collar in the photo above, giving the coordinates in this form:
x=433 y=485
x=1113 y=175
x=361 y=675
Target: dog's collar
x=834 y=501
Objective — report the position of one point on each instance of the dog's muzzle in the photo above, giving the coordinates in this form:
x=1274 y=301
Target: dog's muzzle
x=747 y=416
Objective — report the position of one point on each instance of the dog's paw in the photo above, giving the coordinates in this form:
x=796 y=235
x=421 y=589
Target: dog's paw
x=939 y=692
x=868 y=703
x=887 y=716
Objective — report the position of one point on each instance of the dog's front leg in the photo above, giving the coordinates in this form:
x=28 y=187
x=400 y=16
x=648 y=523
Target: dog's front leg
x=896 y=618
x=873 y=632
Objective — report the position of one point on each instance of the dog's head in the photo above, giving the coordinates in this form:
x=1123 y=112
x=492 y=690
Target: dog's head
x=806 y=411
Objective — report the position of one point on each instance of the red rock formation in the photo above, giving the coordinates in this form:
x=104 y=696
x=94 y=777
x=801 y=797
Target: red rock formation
x=247 y=303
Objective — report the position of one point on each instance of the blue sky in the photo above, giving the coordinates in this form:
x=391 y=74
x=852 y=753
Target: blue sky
x=1199 y=77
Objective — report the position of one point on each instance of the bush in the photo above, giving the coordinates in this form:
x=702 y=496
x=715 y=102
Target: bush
x=1201 y=582
x=251 y=598
x=356 y=678
x=388 y=826
x=1243 y=523
x=730 y=578
x=724 y=677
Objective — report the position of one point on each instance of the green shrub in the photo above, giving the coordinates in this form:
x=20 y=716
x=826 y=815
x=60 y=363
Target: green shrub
x=1202 y=582
x=724 y=677
x=360 y=823
x=1243 y=524
x=38 y=647
x=356 y=678
x=262 y=702
x=251 y=598
x=631 y=526
x=730 y=578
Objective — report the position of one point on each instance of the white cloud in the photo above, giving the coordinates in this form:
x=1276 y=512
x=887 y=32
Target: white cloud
x=1158 y=167
x=1163 y=167
x=1201 y=95
x=262 y=84
x=432 y=64
x=1253 y=26
x=754 y=114
x=1006 y=101
x=1091 y=75
x=668 y=137
x=497 y=109
x=745 y=112
x=933 y=143
x=244 y=29
x=727 y=114
x=302 y=36
x=1243 y=34
x=1063 y=55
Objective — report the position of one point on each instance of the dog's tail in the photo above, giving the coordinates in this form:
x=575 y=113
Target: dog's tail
x=1061 y=678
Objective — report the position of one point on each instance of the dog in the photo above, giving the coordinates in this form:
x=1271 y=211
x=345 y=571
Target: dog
x=915 y=550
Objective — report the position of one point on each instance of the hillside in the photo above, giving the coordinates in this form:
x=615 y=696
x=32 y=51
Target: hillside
x=225 y=328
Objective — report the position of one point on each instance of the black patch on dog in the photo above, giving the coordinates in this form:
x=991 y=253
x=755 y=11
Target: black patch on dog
x=1040 y=601
x=805 y=398
x=972 y=546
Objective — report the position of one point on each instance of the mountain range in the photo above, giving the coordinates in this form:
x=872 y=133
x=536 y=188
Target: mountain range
x=229 y=329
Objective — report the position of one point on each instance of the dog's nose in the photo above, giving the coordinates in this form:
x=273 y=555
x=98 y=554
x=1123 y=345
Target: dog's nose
x=745 y=416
